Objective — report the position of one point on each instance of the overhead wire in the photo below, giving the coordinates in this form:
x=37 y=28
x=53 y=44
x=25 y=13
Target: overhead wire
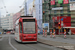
x=4 y=6
x=22 y=4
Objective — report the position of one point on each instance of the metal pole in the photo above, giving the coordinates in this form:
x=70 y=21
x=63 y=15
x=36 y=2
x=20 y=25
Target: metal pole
x=59 y=21
x=59 y=31
x=0 y=21
x=39 y=13
x=25 y=8
x=0 y=18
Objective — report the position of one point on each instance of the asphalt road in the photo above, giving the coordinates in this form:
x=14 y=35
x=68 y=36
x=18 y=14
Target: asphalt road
x=8 y=43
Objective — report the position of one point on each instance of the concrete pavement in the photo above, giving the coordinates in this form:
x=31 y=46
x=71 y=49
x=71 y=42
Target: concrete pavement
x=68 y=36
x=58 y=42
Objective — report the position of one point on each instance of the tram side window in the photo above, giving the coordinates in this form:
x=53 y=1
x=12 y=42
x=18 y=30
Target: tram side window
x=20 y=27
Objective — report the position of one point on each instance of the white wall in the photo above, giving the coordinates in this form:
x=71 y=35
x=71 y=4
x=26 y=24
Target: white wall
x=4 y=22
x=7 y=22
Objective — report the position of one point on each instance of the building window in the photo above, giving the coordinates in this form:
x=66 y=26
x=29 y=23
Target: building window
x=61 y=15
x=55 y=15
x=61 y=5
x=55 y=12
x=69 y=14
x=44 y=0
x=61 y=11
x=68 y=11
x=71 y=0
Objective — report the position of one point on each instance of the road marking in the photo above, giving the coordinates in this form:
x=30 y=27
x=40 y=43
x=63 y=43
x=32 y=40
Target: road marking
x=1 y=38
x=11 y=44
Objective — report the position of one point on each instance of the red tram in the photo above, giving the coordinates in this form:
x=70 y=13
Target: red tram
x=26 y=29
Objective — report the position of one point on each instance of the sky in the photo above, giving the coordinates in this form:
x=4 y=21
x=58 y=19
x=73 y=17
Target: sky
x=12 y=6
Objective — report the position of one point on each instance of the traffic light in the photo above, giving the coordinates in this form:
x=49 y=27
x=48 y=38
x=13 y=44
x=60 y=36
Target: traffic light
x=43 y=12
x=59 y=27
x=59 y=24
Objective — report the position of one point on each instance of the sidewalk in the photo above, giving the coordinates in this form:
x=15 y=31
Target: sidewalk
x=68 y=36
x=58 y=42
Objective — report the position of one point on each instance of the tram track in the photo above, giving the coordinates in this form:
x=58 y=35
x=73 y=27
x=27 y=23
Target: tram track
x=28 y=45
x=52 y=45
x=33 y=46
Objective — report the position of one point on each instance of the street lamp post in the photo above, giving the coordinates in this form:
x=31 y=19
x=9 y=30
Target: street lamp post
x=0 y=20
x=59 y=26
x=0 y=17
x=25 y=7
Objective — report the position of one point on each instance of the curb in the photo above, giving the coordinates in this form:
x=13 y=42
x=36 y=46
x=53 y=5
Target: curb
x=46 y=43
x=52 y=45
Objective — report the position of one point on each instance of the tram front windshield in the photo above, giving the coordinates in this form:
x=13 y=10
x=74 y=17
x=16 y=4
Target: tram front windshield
x=28 y=26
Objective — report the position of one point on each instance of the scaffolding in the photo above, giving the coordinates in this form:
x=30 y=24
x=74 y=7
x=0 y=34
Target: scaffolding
x=48 y=13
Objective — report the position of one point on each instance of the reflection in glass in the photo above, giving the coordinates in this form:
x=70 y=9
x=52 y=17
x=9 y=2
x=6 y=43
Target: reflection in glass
x=29 y=27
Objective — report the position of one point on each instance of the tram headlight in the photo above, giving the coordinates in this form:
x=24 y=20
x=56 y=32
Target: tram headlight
x=34 y=36
x=24 y=36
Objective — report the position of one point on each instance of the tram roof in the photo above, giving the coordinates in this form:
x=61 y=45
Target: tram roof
x=26 y=16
